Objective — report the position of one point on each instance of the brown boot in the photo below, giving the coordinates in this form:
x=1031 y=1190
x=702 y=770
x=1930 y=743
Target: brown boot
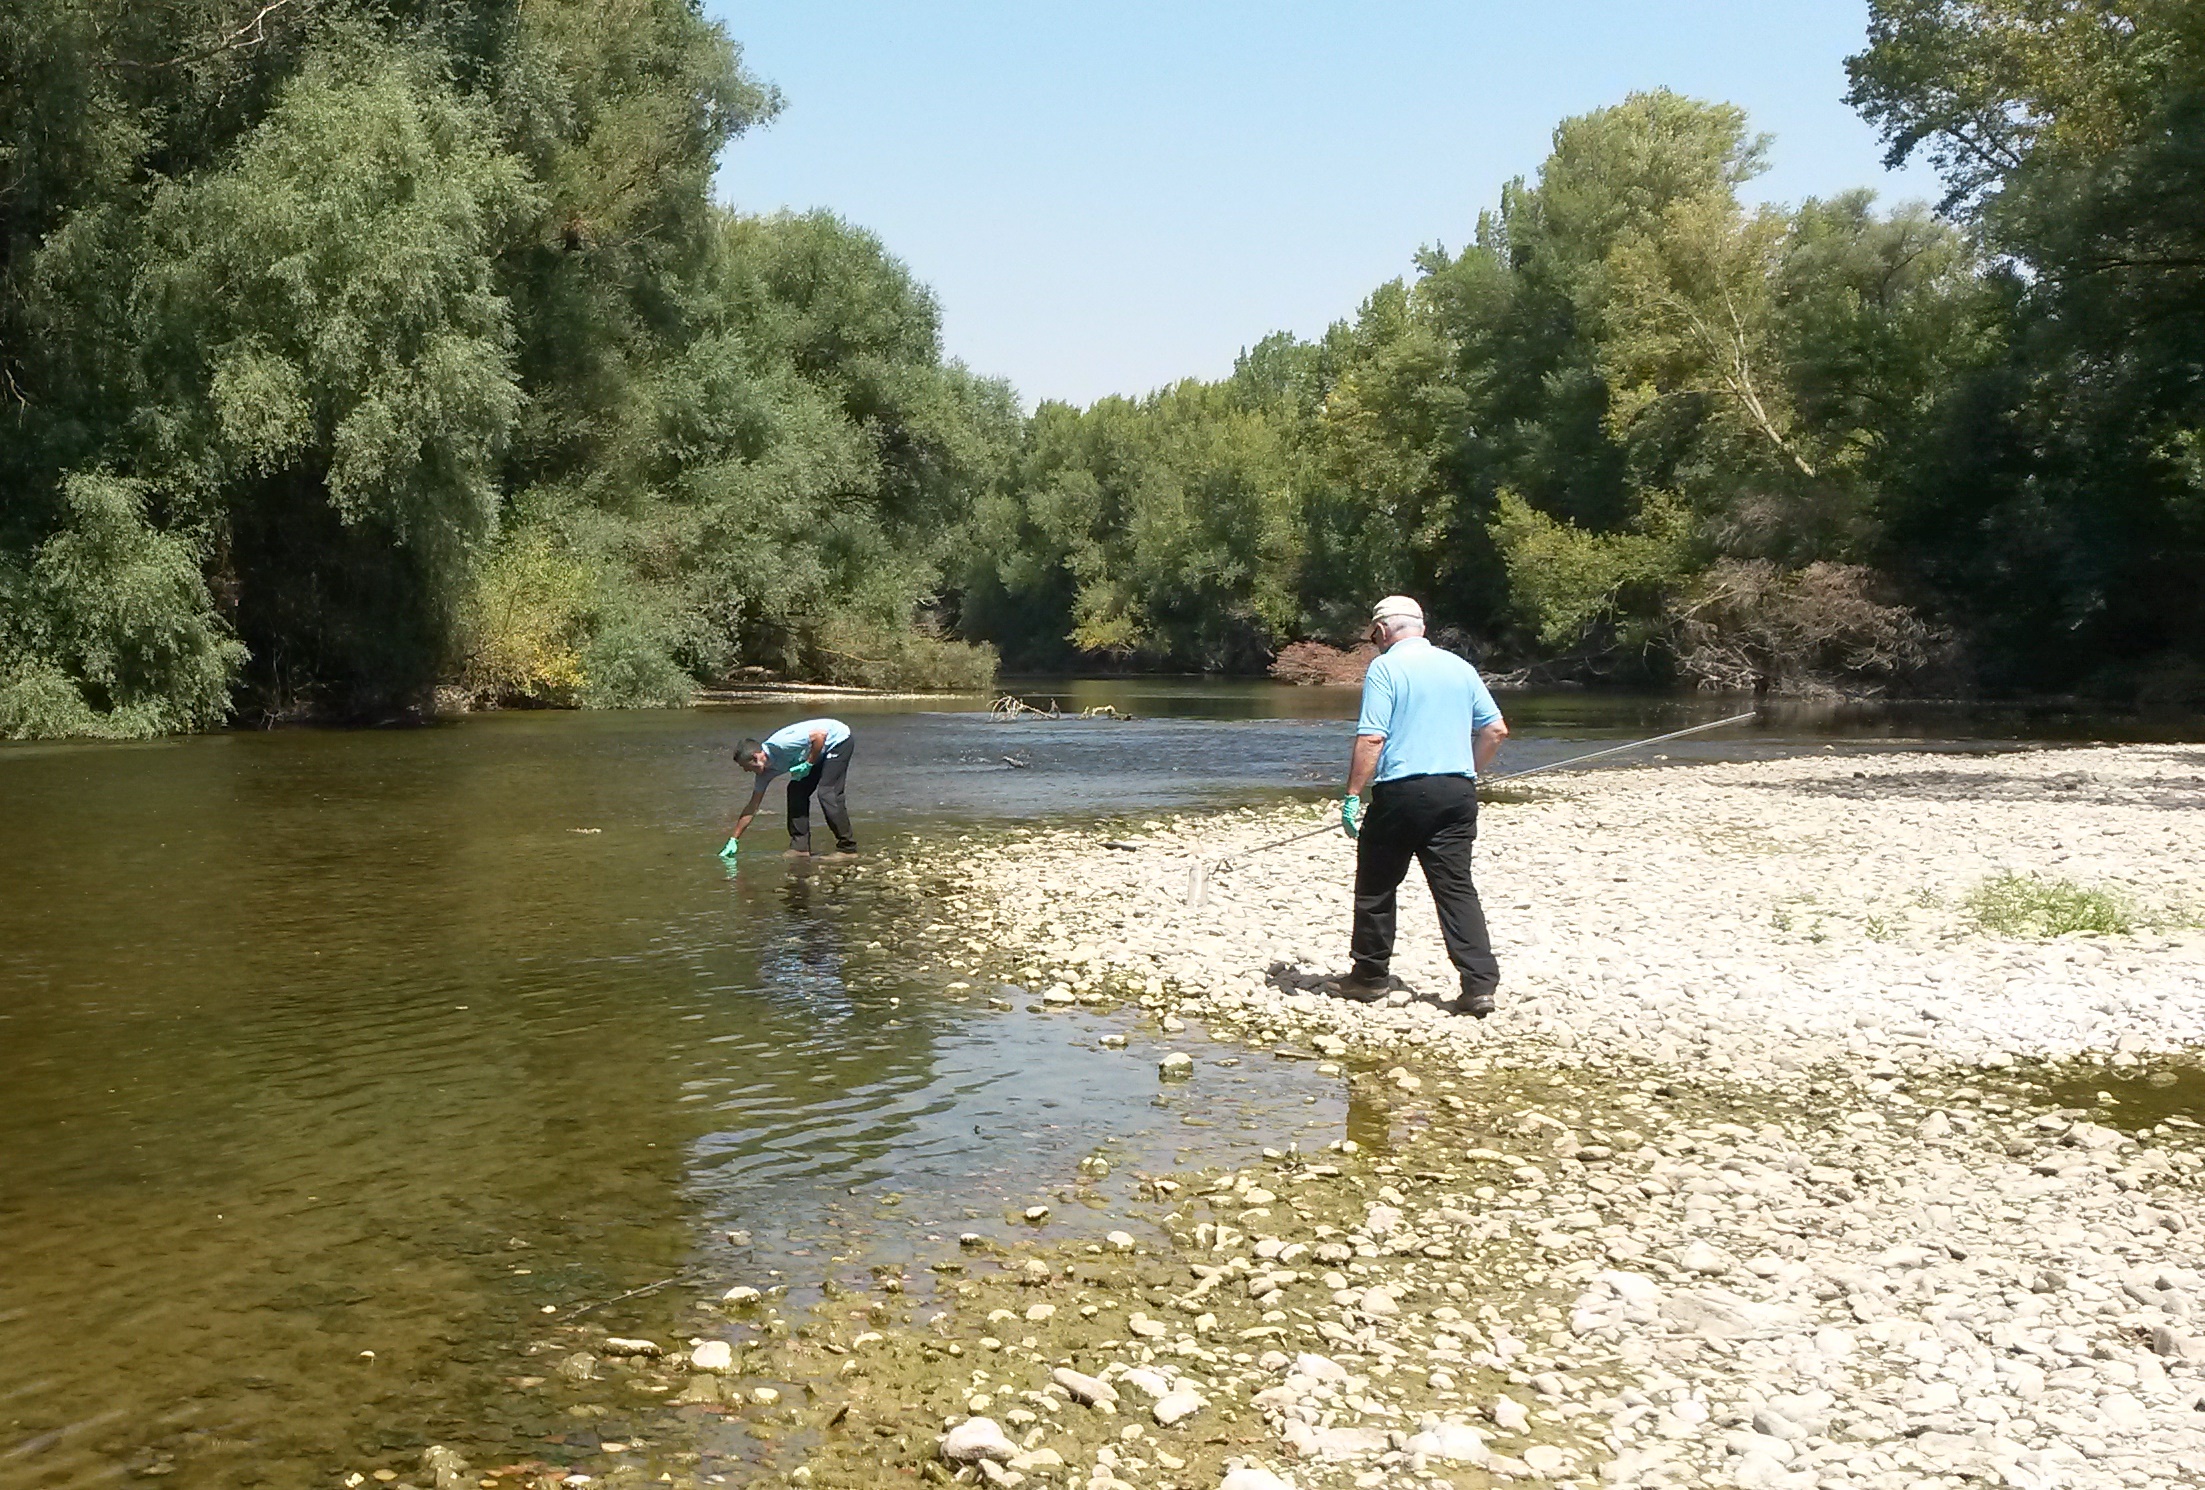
x=1476 y=1002
x=1364 y=988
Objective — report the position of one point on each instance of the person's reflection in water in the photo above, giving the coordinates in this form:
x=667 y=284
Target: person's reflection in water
x=805 y=958
x=1369 y=1117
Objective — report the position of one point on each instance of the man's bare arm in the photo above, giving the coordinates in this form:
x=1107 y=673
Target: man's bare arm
x=1363 y=764
x=750 y=809
x=1486 y=743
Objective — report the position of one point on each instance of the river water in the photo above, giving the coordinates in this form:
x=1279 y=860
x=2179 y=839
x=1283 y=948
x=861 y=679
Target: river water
x=332 y=1065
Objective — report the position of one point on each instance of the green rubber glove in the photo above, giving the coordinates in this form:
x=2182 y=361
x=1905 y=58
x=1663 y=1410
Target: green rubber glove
x=734 y=847
x=1351 y=816
x=800 y=770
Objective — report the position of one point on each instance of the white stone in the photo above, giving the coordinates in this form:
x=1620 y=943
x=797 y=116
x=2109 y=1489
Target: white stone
x=1457 y=1443
x=978 y=1438
x=1545 y=1459
x=1174 y=1408
x=1087 y=1390
x=1249 y=1477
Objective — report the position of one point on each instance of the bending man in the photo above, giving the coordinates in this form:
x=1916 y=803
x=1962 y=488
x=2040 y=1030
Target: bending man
x=1428 y=726
x=816 y=754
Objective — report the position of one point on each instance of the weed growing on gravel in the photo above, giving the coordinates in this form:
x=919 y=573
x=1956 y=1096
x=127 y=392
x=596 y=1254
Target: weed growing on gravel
x=2024 y=905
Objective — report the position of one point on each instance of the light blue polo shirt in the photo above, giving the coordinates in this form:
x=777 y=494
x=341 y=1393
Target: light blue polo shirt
x=792 y=743
x=1428 y=703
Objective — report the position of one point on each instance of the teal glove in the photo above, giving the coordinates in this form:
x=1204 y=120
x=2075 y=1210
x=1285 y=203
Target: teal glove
x=1351 y=816
x=734 y=847
x=800 y=770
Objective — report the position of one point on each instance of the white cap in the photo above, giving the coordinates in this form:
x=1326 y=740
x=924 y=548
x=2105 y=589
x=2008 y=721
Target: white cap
x=1397 y=608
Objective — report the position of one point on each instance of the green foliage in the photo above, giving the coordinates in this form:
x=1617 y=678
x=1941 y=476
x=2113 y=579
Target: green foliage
x=1159 y=529
x=417 y=350
x=351 y=348
x=1625 y=419
x=526 y=620
x=2054 y=509
x=2026 y=905
x=1571 y=583
x=111 y=633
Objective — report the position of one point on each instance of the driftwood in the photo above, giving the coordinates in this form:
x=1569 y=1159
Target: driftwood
x=1011 y=706
x=1313 y=664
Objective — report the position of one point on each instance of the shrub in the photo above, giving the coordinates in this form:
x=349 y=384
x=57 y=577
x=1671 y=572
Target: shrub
x=111 y=634
x=1567 y=581
x=2024 y=905
x=524 y=626
x=855 y=655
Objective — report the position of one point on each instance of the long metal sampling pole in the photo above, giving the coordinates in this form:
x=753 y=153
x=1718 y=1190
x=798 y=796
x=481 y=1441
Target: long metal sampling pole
x=1578 y=760
x=1575 y=760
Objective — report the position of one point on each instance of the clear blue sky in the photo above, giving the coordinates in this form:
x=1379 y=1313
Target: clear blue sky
x=1110 y=196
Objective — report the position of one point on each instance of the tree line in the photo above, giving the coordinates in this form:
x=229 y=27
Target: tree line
x=1639 y=429
x=353 y=347
x=353 y=350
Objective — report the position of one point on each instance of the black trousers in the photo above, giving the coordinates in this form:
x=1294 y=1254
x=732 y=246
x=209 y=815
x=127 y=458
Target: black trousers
x=1433 y=820
x=824 y=783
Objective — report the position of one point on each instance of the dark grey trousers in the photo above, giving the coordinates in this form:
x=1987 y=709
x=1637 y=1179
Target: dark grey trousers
x=1433 y=820
x=825 y=784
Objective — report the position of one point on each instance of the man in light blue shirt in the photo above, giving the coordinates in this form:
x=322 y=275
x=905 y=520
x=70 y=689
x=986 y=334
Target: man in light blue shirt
x=816 y=755
x=1427 y=727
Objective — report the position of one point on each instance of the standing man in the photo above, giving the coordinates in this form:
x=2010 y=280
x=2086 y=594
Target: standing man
x=1428 y=726
x=816 y=754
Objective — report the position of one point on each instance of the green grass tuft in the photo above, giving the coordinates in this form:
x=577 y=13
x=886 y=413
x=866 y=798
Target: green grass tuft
x=2023 y=905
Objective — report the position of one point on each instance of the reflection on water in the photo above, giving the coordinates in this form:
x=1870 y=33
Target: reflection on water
x=332 y=1061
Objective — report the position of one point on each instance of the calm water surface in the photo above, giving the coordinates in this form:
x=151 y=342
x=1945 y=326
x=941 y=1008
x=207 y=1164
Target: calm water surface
x=330 y=1061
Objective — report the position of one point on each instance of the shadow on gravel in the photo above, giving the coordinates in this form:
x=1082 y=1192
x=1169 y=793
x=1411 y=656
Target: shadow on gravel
x=2169 y=794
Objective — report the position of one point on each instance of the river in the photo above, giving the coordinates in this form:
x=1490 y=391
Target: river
x=333 y=1064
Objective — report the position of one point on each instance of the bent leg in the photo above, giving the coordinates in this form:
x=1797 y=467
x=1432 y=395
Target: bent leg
x=800 y=814
x=834 y=769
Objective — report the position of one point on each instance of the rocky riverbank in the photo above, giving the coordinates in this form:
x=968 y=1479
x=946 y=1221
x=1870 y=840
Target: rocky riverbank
x=1753 y=1180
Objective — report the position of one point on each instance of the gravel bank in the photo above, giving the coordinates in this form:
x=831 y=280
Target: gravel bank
x=1753 y=920
x=1752 y=1181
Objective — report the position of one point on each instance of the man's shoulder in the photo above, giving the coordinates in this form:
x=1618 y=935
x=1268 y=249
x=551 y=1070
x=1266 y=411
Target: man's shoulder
x=1439 y=662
